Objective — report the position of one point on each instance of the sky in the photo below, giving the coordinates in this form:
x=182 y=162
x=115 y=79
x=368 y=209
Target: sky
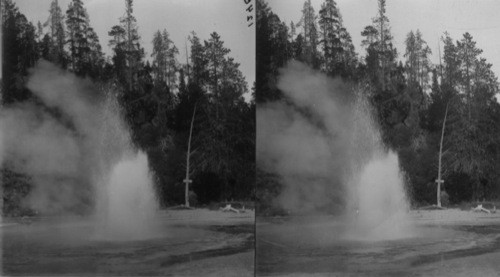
x=179 y=17
x=432 y=17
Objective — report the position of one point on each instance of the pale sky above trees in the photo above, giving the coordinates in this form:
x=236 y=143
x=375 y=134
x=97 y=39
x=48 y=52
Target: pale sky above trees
x=226 y=17
x=432 y=17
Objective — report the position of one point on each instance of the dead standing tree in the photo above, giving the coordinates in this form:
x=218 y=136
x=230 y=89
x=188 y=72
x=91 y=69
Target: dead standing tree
x=187 y=181
x=439 y=180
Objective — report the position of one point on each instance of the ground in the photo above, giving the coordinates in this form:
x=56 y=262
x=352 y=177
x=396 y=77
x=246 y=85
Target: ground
x=190 y=243
x=440 y=243
x=212 y=243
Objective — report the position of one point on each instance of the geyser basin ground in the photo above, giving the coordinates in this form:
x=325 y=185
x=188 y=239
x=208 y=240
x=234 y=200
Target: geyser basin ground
x=189 y=243
x=446 y=243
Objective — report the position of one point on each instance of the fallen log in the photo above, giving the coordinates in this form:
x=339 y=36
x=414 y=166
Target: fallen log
x=228 y=208
x=480 y=208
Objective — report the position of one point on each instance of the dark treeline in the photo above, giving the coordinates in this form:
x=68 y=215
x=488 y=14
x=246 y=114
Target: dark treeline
x=158 y=96
x=411 y=97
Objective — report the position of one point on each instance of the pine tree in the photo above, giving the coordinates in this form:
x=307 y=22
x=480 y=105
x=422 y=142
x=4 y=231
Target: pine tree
x=451 y=61
x=95 y=54
x=128 y=52
x=220 y=123
x=310 y=35
x=417 y=60
x=339 y=57
x=199 y=61
x=20 y=52
x=233 y=84
x=84 y=48
x=473 y=132
x=39 y=31
x=293 y=32
x=159 y=57
x=276 y=45
x=349 y=58
x=117 y=43
x=171 y=53
x=468 y=54
x=381 y=54
x=381 y=23
x=215 y=53
x=424 y=64
x=330 y=23
x=164 y=60
x=57 y=34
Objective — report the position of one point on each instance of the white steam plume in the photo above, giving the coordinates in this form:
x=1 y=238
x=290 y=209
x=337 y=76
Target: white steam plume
x=323 y=142
x=70 y=144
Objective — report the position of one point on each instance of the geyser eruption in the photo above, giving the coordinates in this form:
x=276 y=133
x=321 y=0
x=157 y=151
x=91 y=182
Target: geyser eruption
x=375 y=184
x=129 y=208
x=323 y=142
x=74 y=145
x=381 y=210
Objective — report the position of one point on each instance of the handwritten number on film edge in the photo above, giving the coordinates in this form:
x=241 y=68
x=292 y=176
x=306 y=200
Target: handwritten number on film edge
x=249 y=10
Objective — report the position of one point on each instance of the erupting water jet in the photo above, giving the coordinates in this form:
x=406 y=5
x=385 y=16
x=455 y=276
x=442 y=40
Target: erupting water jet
x=130 y=204
x=382 y=206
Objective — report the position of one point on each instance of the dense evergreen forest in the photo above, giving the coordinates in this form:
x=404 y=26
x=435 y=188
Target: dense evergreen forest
x=412 y=97
x=158 y=96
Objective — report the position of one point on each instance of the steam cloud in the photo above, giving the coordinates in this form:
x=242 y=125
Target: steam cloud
x=68 y=145
x=318 y=140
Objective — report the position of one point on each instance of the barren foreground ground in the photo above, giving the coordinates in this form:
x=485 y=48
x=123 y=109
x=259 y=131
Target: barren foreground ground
x=438 y=243
x=190 y=243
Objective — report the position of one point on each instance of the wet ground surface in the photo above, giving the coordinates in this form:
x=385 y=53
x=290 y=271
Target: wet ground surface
x=183 y=247
x=318 y=247
x=244 y=246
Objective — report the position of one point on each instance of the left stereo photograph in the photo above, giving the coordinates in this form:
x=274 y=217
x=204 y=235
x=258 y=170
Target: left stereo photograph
x=127 y=138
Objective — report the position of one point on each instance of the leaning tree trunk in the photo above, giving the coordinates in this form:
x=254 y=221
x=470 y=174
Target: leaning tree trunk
x=439 y=180
x=188 y=155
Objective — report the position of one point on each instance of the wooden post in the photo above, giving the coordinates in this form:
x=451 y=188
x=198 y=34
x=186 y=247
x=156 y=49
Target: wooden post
x=439 y=182
x=187 y=181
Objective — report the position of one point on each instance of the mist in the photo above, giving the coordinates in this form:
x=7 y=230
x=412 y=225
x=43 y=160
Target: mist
x=303 y=139
x=68 y=140
x=323 y=141
x=51 y=142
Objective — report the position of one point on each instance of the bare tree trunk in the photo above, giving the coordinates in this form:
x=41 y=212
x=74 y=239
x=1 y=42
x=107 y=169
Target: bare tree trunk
x=440 y=64
x=187 y=61
x=439 y=180
x=187 y=181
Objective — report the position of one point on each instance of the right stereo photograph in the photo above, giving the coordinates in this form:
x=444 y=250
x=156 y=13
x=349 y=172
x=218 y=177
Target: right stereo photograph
x=378 y=138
